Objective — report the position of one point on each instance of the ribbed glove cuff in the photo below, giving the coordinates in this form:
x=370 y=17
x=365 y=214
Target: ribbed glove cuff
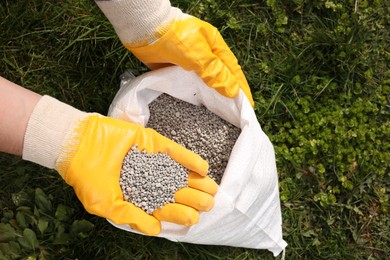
x=139 y=23
x=50 y=126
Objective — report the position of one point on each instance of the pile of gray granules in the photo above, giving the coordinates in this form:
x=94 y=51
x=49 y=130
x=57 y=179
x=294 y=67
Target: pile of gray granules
x=197 y=129
x=150 y=181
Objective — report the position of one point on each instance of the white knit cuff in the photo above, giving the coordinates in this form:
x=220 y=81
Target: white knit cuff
x=48 y=128
x=139 y=23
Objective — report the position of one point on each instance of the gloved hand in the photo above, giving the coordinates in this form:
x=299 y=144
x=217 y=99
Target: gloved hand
x=172 y=37
x=196 y=45
x=90 y=160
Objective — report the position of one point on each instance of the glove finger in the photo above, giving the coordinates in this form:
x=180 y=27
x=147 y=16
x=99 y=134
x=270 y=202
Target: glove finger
x=180 y=154
x=205 y=54
x=227 y=57
x=216 y=75
x=202 y=183
x=124 y=212
x=177 y=213
x=222 y=79
x=196 y=199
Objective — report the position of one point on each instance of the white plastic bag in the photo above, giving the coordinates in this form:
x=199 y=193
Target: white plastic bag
x=247 y=207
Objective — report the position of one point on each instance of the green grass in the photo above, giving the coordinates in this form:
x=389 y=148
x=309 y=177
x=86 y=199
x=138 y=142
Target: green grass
x=319 y=72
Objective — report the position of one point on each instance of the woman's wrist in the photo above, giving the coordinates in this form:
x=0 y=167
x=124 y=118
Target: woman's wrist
x=16 y=106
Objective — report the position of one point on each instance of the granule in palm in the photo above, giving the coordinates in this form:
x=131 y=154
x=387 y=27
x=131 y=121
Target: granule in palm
x=150 y=181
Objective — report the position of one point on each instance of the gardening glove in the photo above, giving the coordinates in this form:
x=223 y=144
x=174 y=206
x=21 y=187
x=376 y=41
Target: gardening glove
x=160 y=35
x=87 y=150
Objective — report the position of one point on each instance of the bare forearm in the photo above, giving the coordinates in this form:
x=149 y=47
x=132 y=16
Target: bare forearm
x=16 y=106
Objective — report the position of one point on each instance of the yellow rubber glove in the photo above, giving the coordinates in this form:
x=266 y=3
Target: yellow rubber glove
x=196 y=45
x=92 y=161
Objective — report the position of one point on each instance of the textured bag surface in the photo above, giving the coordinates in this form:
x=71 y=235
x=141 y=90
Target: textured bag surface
x=247 y=207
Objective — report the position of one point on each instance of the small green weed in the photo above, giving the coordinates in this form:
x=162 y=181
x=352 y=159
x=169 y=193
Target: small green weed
x=35 y=227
